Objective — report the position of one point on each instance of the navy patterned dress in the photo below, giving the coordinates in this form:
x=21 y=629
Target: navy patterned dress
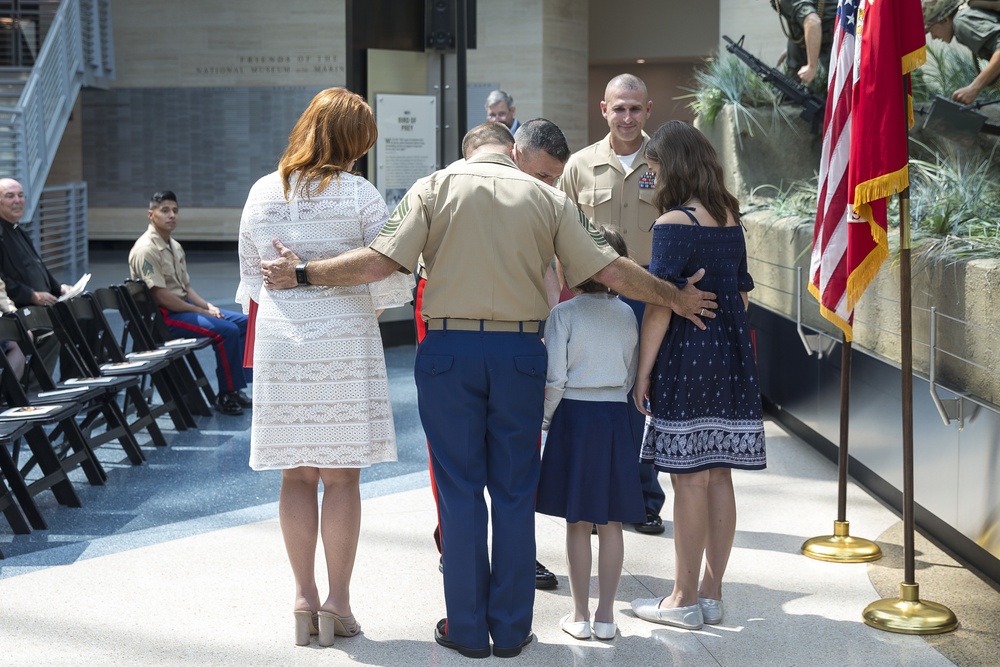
x=704 y=388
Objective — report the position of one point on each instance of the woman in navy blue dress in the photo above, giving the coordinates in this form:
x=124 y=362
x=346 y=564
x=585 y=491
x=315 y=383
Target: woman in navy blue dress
x=698 y=388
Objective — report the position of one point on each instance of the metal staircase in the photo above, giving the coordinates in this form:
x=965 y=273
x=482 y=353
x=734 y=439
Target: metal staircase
x=48 y=51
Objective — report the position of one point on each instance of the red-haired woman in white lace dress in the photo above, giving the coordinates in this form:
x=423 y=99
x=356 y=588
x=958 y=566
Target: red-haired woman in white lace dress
x=321 y=407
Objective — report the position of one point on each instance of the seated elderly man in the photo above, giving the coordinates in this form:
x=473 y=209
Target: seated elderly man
x=26 y=279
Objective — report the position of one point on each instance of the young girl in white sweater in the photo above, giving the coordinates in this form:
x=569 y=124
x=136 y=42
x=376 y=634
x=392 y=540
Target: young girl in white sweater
x=590 y=471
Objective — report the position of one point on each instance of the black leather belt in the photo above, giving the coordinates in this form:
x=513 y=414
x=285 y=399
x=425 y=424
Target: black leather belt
x=456 y=324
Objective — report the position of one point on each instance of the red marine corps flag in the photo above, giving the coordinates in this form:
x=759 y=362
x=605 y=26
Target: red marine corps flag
x=864 y=158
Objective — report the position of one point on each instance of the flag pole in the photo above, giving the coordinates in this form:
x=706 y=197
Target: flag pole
x=833 y=238
x=908 y=614
x=841 y=547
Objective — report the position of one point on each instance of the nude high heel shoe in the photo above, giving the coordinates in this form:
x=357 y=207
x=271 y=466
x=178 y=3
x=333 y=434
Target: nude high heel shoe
x=305 y=625
x=331 y=625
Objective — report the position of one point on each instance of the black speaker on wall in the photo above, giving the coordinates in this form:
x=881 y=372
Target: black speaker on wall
x=441 y=24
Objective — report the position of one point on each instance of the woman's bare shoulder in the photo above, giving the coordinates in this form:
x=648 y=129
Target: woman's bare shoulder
x=674 y=217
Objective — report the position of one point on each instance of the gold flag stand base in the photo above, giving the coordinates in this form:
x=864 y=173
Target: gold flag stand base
x=841 y=547
x=909 y=615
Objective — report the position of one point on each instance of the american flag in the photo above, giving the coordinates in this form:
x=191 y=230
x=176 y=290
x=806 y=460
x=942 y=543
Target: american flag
x=864 y=153
x=828 y=265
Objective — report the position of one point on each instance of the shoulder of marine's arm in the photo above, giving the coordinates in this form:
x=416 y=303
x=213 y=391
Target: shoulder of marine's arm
x=147 y=243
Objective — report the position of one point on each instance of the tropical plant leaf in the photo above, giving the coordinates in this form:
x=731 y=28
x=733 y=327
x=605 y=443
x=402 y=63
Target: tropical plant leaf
x=725 y=79
x=954 y=204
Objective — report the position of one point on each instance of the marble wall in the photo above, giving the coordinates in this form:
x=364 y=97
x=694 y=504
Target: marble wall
x=178 y=62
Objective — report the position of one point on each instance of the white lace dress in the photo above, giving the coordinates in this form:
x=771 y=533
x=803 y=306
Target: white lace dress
x=320 y=392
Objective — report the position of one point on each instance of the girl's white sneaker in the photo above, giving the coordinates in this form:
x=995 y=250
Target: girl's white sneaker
x=578 y=629
x=605 y=630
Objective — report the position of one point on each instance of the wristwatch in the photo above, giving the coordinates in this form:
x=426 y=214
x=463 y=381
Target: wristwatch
x=300 y=273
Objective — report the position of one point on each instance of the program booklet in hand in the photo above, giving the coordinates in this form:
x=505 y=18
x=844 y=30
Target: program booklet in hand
x=76 y=289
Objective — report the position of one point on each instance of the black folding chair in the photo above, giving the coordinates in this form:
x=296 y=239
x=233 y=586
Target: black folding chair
x=173 y=385
x=90 y=334
x=139 y=296
x=99 y=396
x=10 y=432
x=148 y=332
x=53 y=460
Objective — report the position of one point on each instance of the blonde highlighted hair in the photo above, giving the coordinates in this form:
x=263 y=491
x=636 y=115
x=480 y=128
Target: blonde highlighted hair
x=337 y=128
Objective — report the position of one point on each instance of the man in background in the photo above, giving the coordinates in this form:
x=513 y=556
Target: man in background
x=159 y=260
x=28 y=282
x=613 y=186
x=500 y=109
x=808 y=25
x=978 y=29
x=540 y=150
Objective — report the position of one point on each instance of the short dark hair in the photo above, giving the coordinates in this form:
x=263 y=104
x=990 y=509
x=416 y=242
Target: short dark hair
x=541 y=134
x=160 y=196
x=617 y=242
x=487 y=133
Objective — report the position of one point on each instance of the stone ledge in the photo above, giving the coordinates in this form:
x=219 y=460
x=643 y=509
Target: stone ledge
x=963 y=292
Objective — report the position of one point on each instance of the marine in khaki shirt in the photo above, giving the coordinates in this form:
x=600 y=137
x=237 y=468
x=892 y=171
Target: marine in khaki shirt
x=606 y=190
x=492 y=268
x=158 y=259
x=159 y=263
x=613 y=184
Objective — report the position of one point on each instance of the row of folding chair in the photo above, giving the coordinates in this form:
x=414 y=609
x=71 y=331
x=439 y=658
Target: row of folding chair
x=105 y=395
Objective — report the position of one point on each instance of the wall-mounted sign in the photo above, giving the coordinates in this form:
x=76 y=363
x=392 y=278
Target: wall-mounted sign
x=406 y=149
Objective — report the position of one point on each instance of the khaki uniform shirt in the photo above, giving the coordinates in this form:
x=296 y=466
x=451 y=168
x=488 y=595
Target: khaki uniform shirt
x=159 y=264
x=595 y=180
x=487 y=232
x=979 y=31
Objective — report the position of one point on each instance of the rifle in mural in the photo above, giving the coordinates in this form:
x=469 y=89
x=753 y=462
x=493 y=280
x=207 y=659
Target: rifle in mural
x=794 y=91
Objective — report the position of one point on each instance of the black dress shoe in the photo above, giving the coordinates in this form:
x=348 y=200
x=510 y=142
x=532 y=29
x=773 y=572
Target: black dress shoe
x=512 y=652
x=441 y=637
x=544 y=579
x=244 y=400
x=652 y=526
x=227 y=403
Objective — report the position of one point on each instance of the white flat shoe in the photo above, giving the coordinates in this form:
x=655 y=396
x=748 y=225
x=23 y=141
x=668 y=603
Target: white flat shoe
x=605 y=630
x=711 y=610
x=578 y=629
x=689 y=618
